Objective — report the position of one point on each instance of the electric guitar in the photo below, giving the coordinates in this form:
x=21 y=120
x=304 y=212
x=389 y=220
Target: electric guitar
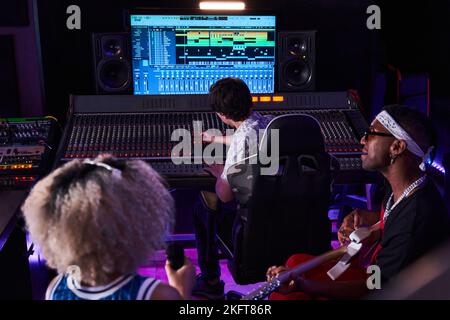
x=345 y=252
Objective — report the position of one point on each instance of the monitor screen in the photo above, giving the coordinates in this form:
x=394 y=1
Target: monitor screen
x=186 y=54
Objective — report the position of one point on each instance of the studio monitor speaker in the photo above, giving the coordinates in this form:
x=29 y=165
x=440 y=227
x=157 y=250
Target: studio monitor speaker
x=112 y=63
x=297 y=61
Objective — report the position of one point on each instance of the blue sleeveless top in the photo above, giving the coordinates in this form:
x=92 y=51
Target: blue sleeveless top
x=131 y=287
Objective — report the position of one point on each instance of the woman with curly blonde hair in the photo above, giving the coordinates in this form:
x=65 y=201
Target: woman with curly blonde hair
x=96 y=221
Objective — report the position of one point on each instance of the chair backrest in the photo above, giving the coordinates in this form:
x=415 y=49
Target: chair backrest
x=284 y=212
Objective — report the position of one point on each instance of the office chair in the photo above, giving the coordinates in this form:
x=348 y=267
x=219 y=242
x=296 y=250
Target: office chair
x=284 y=211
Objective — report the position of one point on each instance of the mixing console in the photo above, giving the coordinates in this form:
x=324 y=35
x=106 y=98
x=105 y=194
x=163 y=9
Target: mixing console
x=140 y=127
x=24 y=150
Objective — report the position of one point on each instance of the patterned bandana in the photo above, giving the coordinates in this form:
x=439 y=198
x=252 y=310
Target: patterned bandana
x=399 y=133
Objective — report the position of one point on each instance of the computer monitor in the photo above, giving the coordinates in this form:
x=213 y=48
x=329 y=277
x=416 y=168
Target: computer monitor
x=186 y=54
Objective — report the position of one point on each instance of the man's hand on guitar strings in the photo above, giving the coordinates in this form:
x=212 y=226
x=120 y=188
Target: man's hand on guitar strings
x=343 y=234
x=354 y=220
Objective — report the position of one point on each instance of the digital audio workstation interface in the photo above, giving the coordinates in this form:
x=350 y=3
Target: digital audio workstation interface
x=186 y=54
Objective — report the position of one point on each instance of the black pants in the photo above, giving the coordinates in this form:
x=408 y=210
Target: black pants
x=207 y=225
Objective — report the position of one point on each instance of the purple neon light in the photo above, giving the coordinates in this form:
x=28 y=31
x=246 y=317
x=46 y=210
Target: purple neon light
x=438 y=167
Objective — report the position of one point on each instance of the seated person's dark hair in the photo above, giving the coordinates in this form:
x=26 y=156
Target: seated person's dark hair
x=417 y=124
x=232 y=98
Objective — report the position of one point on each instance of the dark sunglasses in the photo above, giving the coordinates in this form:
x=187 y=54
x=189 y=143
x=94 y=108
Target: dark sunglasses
x=374 y=133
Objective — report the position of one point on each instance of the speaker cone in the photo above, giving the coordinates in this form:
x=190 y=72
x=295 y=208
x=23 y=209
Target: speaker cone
x=297 y=73
x=114 y=74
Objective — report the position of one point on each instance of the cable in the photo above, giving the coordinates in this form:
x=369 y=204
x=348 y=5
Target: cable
x=56 y=120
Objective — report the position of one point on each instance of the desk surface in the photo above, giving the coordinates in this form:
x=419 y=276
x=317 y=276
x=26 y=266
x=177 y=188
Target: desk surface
x=10 y=201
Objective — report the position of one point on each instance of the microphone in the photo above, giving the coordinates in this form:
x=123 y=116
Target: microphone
x=175 y=255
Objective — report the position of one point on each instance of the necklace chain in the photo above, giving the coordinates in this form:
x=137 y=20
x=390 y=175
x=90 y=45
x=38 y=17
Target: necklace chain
x=389 y=207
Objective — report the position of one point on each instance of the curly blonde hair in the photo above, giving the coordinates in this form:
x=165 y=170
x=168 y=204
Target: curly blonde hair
x=105 y=217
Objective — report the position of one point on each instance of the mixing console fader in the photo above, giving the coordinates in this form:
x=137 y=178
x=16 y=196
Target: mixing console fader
x=141 y=127
x=128 y=135
x=25 y=150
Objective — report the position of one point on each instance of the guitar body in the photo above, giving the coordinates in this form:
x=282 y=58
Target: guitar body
x=316 y=268
x=319 y=273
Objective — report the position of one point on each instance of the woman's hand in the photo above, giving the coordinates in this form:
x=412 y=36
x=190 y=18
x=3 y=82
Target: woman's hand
x=182 y=279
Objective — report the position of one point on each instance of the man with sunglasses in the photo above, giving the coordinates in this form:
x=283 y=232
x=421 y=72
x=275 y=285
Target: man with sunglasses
x=399 y=144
